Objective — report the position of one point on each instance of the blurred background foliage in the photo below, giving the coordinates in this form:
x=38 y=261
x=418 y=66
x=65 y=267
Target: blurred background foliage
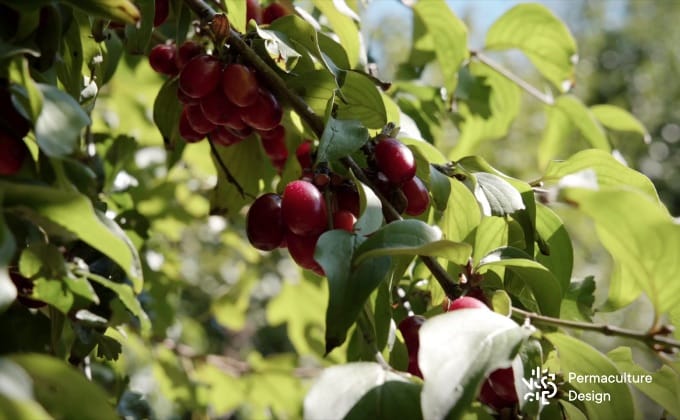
x=237 y=333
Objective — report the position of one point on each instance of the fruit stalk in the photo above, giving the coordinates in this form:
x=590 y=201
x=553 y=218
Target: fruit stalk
x=278 y=86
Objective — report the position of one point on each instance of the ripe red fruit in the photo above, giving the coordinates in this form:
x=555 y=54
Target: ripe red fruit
x=264 y=223
x=302 y=248
x=200 y=76
x=253 y=11
x=274 y=143
x=417 y=196
x=265 y=114
x=304 y=209
x=304 y=154
x=273 y=12
x=197 y=119
x=239 y=85
x=185 y=99
x=161 y=12
x=225 y=137
x=395 y=160
x=347 y=198
x=217 y=108
x=13 y=153
x=465 y=302
x=186 y=130
x=162 y=59
x=344 y=219
x=409 y=328
x=187 y=51
x=498 y=390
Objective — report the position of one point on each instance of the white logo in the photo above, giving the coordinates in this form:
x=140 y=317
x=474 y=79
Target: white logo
x=541 y=386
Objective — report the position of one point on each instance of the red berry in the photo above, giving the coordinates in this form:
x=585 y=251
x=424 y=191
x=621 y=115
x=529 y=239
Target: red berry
x=417 y=196
x=240 y=133
x=186 y=99
x=304 y=208
x=265 y=114
x=409 y=328
x=264 y=224
x=197 y=119
x=217 y=108
x=273 y=12
x=465 y=302
x=304 y=154
x=186 y=130
x=225 y=137
x=348 y=199
x=302 y=248
x=200 y=76
x=240 y=85
x=253 y=11
x=344 y=219
x=13 y=153
x=274 y=143
x=161 y=12
x=498 y=390
x=395 y=160
x=162 y=59
x=187 y=51
x=11 y=121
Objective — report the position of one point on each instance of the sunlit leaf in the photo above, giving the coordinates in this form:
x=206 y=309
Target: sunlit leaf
x=618 y=119
x=359 y=99
x=344 y=27
x=340 y=138
x=560 y=258
x=544 y=38
x=60 y=122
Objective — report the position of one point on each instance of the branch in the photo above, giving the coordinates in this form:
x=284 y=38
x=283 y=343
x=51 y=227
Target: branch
x=546 y=99
x=278 y=86
x=656 y=341
x=227 y=173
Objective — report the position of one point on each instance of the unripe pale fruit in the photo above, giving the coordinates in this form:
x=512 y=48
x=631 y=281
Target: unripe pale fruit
x=304 y=209
x=302 y=248
x=13 y=153
x=264 y=223
x=200 y=76
x=465 y=302
x=239 y=85
x=395 y=160
x=265 y=114
x=417 y=196
x=162 y=59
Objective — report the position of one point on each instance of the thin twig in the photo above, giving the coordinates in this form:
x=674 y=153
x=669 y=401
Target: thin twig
x=227 y=173
x=278 y=86
x=653 y=340
x=546 y=99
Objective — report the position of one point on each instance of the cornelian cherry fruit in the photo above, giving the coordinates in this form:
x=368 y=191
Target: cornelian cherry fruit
x=162 y=59
x=264 y=223
x=417 y=196
x=240 y=85
x=395 y=160
x=304 y=209
x=200 y=76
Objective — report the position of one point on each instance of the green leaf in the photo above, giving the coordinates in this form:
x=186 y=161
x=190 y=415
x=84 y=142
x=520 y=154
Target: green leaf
x=578 y=300
x=543 y=285
x=137 y=36
x=531 y=355
x=483 y=341
x=411 y=237
x=618 y=119
x=440 y=188
x=641 y=237
x=282 y=55
x=371 y=217
x=342 y=22
x=391 y=400
x=495 y=195
x=502 y=102
x=8 y=292
x=609 y=171
x=578 y=358
x=492 y=233
x=236 y=12
x=348 y=289
x=664 y=387
x=462 y=214
x=449 y=38
x=544 y=38
x=62 y=391
x=166 y=112
x=340 y=138
x=16 y=393
x=53 y=292
x=25 y=89
x=316 y=87
x=551 y=230
x=61 y=120
x=119 y=10
x=566 y=115
x=340 y=388
x=75 y=213
x=359 y=99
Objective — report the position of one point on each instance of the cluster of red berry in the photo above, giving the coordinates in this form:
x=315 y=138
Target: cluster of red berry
x=224 y=102
x=268 y=14
x=13 y=129
x=498 y=390
x=297 y=218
